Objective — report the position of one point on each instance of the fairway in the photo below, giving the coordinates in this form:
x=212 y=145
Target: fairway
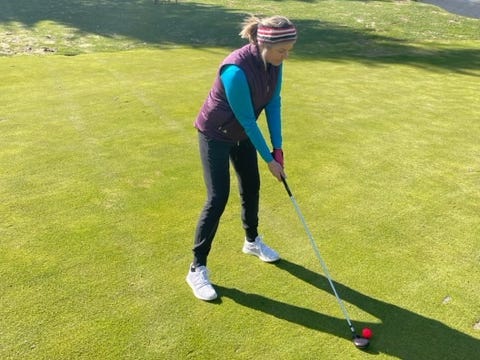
x=101 y=185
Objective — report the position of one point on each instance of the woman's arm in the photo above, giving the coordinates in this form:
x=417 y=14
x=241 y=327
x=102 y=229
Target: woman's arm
x=239 y=98
x=273 y=113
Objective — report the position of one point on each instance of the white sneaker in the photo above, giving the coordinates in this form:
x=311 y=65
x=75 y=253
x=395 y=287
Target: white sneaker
x=200 y=284
x=258 y=248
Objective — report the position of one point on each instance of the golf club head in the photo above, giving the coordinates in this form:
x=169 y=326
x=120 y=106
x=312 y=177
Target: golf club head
x=360 y=342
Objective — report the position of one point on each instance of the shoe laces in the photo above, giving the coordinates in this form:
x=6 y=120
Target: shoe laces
x=202 y=276
x=260 y=244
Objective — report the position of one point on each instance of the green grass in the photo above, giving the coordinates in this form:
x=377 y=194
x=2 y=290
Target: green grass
x=100 y=184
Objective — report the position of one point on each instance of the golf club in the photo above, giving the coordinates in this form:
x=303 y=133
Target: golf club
x=358 y=341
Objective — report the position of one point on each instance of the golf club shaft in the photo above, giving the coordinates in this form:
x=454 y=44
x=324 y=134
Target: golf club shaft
x=317 y=252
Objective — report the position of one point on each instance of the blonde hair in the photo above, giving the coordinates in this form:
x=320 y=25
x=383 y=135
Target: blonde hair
x=251 y=23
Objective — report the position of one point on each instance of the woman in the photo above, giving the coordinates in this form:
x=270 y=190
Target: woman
x=248 y=81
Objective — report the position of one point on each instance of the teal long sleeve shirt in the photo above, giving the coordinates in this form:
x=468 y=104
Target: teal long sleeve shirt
x=239 y=99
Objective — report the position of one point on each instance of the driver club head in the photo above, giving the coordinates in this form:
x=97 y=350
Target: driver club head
x=360 y=342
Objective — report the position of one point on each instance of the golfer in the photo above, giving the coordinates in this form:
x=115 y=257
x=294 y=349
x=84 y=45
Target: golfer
x=248 y=81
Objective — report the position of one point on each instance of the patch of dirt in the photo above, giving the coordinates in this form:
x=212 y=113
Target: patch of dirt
x=17 y=43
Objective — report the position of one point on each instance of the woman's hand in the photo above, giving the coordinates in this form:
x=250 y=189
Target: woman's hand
x=278 y=156
x=276 y=169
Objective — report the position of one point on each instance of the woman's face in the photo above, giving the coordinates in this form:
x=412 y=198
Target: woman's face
x=277 y=53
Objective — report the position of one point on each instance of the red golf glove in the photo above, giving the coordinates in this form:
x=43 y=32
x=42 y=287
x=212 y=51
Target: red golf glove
x=278 y=156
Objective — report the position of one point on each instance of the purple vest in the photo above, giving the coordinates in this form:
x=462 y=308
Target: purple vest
x=216 y=119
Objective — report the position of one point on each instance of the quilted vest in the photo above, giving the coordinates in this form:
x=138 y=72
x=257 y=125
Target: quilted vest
x=216 y=119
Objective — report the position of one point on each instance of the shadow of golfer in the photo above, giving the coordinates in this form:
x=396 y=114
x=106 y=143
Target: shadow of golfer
x=401 y=333
x=292 y=313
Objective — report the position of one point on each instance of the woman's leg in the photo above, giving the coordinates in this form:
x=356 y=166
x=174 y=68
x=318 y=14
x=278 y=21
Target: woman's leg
x=245 y=162
x=215 y=161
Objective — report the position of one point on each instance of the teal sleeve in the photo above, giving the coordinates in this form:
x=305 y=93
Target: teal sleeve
x=239 y=98
x=273 y=113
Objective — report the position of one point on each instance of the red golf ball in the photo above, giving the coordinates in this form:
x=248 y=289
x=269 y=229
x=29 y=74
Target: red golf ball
x=367 y=333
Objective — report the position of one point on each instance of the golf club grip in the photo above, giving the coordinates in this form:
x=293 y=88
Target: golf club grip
x=286 y=187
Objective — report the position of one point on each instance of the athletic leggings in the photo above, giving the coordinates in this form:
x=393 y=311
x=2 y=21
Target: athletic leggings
x=216 y=157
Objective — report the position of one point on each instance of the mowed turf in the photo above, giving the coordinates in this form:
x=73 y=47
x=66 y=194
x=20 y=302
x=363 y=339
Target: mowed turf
x=101 y=188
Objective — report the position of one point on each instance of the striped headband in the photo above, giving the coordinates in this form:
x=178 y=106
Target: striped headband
x=271 y=35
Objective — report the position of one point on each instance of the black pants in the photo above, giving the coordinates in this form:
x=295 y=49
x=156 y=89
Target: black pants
x=216 y=156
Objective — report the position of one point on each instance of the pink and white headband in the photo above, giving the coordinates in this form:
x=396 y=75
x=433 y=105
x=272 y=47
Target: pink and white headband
x=271 y=35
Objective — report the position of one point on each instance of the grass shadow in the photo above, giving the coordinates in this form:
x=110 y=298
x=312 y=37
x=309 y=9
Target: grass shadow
x=401 y=333
x=291 y=313
x=192 y=24
x=201 y=25
x=330 y=41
